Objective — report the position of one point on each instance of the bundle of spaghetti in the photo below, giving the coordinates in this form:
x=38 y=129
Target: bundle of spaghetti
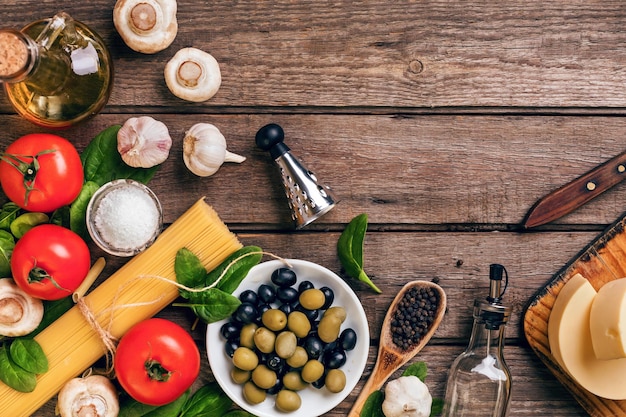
x=128 y=296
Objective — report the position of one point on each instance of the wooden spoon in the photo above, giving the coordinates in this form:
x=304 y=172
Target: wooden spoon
x=390 y=356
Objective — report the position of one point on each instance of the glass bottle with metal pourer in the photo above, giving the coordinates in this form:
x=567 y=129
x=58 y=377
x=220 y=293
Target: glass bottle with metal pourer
x=56 y=72
x=479 y=382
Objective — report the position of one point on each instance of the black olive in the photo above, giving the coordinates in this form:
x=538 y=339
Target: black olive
x=230 y=330
x=287 y=294
x=275 y=363
x=286 y=308
x=312 y=315
x=246 y=313
x=230 y=347
x=266 y=293
x=305 y=285
x=313 y=346
x=262 y=308
x=276 y=388
x=329 y=296
x=347 y=339
x=249 y=296
x=284 y=277
x=319 y=384
x=334 y=359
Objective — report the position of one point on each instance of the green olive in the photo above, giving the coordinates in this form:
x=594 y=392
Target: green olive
x=286 y=343
x=246 y=336
x=245 y=359
x=253 y=394
x=312 y=299
x=239 y=376
x=335 y=380
x=264 y=377
x=293 y=381
x=264 y=339
x=299 y=323
x=329 y=328
x=274 y=319
x=299 y=358
x=338 y=312
x=287 y=401
x=312 y=371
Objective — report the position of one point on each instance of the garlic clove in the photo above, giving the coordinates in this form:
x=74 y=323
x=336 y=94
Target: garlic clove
x=146 y=26
x=204 y=150
x=20 y=313
x=143 y=142
x=93 y=396
x=193 y=75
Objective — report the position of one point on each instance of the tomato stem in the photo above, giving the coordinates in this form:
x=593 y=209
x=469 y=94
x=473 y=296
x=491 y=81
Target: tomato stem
x=27 y=168
x=39 y=274
x=156 y=371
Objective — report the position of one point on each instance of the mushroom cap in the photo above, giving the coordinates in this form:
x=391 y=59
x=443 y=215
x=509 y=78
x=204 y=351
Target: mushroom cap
x=193 y=75
x=20 y=313
x=93 y=395
x=146 y=26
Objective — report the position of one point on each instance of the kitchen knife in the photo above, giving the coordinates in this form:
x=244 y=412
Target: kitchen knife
x=568 y=198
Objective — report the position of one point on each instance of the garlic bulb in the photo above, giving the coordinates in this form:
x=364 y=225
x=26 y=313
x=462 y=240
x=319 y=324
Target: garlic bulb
x=93 y=396
x=146 y=26
x=143 y=142
x=204 y=150
x=20 y=313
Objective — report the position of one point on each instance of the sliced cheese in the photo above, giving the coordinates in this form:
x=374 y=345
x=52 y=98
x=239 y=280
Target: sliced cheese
x=608 y=321
x=569 y=335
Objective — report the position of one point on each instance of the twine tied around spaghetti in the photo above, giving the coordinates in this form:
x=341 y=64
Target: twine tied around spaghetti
x=104 y=332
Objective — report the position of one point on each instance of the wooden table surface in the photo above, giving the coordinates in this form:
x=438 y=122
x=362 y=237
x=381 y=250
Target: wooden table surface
x=443 y=121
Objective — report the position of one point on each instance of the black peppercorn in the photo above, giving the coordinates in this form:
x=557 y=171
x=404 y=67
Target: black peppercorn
x=413 y=316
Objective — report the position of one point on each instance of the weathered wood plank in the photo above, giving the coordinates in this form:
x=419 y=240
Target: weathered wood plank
x=361 y=54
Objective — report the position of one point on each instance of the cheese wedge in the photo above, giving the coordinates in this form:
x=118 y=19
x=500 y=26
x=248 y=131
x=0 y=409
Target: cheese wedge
x=569 y=336
x=608 y=321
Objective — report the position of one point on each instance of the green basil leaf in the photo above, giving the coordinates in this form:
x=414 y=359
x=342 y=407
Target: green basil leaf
x=208 y=401
x=249 y=257
x=8 y=213
x=373 y=406
x=14 y=375
x=132 y=408
x=213 y=304
x=418 y=369
x=350 y=250
x=437 y=407
x=103 y=163
x=52 y=310
x=61 y=216
x=28 y=354
x=7 y=243
x=24 y=222
x=189 y=271
x=238 y=413
x=78 y=209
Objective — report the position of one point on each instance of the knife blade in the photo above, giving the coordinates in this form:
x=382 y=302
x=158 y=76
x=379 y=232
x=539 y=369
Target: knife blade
x=574 y=194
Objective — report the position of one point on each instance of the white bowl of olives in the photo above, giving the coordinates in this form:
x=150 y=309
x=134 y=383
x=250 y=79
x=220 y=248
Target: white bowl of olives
x=272 y=362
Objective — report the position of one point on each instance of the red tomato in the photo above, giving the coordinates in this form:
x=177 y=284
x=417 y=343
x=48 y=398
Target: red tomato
x=41 y=172
x=50 y=262
x=156 y=361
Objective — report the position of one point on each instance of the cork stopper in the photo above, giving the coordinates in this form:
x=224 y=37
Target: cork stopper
x=14 y=55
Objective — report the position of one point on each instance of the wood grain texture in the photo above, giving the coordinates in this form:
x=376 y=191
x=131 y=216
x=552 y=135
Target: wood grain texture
x=443 y=121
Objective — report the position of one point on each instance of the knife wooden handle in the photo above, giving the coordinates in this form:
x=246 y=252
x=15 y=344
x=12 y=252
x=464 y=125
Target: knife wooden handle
x=566 y=199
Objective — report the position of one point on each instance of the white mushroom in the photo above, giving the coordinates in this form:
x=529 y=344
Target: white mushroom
x=20 y=313
x=146 y=26
x=92 y=396
x=193 y=75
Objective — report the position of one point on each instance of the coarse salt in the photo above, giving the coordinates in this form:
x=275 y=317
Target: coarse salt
x=127 y=218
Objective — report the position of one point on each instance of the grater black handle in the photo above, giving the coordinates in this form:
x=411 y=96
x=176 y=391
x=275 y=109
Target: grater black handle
x=270 y=138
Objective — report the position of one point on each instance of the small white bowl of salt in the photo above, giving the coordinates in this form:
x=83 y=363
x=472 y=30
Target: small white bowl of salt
x=124 y=217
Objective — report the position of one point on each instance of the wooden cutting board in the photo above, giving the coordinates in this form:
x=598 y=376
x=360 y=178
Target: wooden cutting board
x=600 y=262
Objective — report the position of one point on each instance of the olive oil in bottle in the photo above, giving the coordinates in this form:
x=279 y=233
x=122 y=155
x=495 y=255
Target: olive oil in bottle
x=56 y=72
